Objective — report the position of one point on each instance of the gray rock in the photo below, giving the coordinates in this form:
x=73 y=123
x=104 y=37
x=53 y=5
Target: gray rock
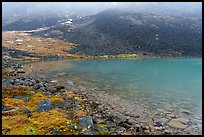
x=88 y=132
x=99 y=120
x=27 y=111
x=32 y=81
x=42 y=89
x=70 y=83
x=8 y=84
x=56 y=132
x=72 y=126
x=26 y=99
x=51 y=89
x=17 y=97
x=38 y=85
x=4 y=108
x=131 y=121
x=20 y=71
x=85 y=121
x=158 y=124
x=19 y=82
x=12 y=82
x=120 y=130
x=110 y=124
x=59 y=87
x=45 y=105
x=28 y=83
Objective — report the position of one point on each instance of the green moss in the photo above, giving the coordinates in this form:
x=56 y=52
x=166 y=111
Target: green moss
x=106 y=56
x=104 y=133
x=102 y=125
x=26 y=59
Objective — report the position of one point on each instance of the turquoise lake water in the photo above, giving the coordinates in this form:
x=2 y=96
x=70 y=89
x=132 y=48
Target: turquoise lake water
x=157 y=83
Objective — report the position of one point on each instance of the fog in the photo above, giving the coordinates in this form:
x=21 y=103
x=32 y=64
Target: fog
x=22 y=9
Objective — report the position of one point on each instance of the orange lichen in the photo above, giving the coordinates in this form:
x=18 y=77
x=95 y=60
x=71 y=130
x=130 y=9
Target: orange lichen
x=16 y=91
x=17 y=122
x=79 y=99
x=39 y=123
x=80 y=113
x=70 y=94
x=10 y=102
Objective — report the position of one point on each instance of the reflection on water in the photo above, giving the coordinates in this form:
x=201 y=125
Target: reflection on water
x=44 y=68
x=170 y=84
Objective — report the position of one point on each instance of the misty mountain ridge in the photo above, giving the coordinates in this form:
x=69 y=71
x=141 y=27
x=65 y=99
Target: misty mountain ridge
x=124 y=30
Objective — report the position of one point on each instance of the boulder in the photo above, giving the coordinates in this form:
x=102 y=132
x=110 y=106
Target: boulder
x=84 y=122
x=45 y=105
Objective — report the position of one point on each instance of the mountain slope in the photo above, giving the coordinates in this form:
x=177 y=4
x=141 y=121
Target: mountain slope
x=117 y=31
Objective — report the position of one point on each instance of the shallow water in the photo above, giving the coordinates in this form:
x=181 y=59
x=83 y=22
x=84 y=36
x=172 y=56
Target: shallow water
x=170 y=84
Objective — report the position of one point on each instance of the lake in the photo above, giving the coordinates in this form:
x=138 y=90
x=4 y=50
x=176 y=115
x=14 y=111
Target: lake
x=169 y=84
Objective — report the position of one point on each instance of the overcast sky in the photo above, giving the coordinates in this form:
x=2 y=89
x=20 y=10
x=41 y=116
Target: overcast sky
x=88 y=8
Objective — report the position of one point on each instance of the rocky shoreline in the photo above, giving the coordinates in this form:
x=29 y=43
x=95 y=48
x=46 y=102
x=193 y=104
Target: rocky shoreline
x=88 y=112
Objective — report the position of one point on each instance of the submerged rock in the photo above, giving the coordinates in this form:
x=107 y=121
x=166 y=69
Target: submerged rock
x=178 y=123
